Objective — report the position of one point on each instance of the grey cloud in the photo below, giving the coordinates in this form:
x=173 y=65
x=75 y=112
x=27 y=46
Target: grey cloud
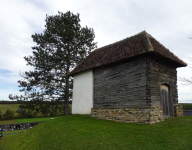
x=112 y=21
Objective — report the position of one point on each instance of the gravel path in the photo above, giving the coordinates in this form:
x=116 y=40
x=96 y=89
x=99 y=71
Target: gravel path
x=12 y=133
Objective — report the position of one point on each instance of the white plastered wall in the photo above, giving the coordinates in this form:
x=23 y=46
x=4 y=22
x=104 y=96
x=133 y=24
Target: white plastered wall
x=82 y=98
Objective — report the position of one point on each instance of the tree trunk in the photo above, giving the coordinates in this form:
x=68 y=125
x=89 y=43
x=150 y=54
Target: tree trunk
x=67 y=87
x=67 y=97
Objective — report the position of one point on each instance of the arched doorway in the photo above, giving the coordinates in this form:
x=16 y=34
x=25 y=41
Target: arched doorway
x=166 y=100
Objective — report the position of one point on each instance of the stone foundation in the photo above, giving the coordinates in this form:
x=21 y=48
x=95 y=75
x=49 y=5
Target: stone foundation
x=178 y=110
x=140 y=115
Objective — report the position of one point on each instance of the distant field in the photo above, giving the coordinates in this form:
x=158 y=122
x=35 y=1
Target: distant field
x=4 y=107
x=8 y=122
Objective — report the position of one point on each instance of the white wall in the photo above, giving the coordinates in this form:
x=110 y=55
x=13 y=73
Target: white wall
x=82 y=98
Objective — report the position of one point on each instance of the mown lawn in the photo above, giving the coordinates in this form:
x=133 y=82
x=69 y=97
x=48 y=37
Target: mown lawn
x=8 y=134
x=14 y=131
x=34 y=119
x=84 y=132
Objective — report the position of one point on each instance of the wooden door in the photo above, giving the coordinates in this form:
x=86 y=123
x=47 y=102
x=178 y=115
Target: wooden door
x=166 y=101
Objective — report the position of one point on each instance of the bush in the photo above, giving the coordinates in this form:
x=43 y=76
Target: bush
x=21 y=113
x=44 y=111
x=9 y=114
x=0 y=115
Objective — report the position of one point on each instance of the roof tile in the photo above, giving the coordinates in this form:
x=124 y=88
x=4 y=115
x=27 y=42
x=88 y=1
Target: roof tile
x=124 y=49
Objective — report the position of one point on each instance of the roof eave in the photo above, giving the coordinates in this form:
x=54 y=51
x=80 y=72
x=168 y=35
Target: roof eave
x=173 y=61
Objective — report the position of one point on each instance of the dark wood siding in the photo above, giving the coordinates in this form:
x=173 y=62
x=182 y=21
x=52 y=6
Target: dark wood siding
x=166 y=100
x=121 y=85
x=161 y=72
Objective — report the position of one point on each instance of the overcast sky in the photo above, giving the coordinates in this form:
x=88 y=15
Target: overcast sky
x=168 y=21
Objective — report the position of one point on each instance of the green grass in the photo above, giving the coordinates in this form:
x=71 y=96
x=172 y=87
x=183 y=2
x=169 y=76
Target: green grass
x=83 y=132
x=33 y=119
x=7 y=137
x=11 y=133
x=14 y=131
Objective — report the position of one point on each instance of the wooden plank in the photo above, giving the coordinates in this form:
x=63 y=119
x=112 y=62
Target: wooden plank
x=122 y=85
x=161 y=73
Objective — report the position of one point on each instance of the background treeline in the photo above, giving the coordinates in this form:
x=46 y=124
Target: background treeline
x=32 y=110
x=186 y=106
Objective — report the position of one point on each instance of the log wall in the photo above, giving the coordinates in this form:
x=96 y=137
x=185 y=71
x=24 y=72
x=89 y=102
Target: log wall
x=159 y=72
x=122 y=85
x=134 y=83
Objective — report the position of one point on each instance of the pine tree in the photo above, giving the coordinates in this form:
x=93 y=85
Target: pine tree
x=61 y=46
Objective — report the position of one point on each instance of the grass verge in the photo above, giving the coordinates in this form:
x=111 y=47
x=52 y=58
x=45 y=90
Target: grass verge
x=84 y=132
x=17 y=121
x=8 y=134
x=14 y=131
x=34 y=119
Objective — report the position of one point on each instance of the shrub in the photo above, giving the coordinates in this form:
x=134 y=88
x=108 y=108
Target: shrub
x=21 y=113
x=9 y=114
x=0 y=115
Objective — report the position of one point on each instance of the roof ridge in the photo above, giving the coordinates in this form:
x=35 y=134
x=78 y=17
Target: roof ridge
x=166 y=48
x=158 y=42
x=118 y=41
x=147 y=42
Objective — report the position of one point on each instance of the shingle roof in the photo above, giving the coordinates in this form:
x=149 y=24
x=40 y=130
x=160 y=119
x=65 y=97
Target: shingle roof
x=135 y=45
